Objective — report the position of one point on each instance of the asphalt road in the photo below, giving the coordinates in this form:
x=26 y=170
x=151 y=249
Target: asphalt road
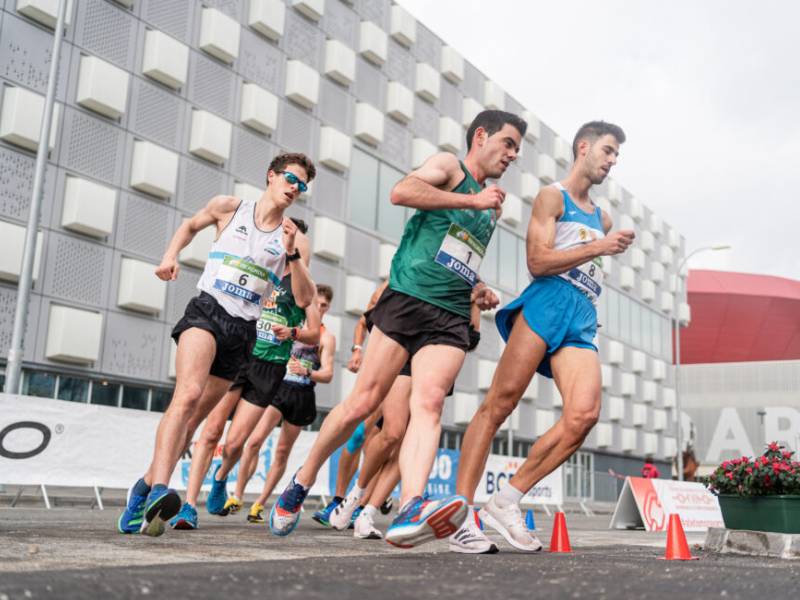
x=74 y=553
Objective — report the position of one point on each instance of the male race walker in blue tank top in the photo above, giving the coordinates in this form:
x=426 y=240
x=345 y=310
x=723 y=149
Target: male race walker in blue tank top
x=550 y=329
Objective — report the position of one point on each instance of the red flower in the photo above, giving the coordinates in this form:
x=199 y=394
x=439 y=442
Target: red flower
x=749 y=470
x=729 y=475
x=764 y=460
x=774 y=447
x=787 y=455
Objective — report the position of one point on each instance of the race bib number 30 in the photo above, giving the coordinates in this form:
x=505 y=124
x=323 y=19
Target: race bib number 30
x=264 y=325
x=461 y=253
x=241 y=279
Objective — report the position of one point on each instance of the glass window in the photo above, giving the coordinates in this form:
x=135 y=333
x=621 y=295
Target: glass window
x=489 y=263
x=666 y=339
x=523 y=277
x=161 y=397
x=625 y=317
x=134 y=397
x=613 y=313
x=391 y=218
x=2 y=381
x=74 y=389
x=602 y=311
x=105 y=393
x=38 y=383
x=508 y=260
x=636 y=324
x=361 y=198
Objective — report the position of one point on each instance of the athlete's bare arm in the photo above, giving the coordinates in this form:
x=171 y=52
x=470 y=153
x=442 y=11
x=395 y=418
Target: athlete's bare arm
x=360 y=332
x=327 y=350
x=303 y=287
x=218 y=212
x=428 y=188
x=308 y=334
x=543 y=259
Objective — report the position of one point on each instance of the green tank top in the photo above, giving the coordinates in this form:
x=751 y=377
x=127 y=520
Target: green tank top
x=441 y=251
x=280 y=309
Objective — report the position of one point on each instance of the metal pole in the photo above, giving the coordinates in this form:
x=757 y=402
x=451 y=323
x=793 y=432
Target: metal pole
x=14 y=366
x=678 y=393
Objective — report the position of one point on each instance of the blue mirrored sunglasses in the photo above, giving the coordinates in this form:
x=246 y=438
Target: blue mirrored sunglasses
x=294 y=179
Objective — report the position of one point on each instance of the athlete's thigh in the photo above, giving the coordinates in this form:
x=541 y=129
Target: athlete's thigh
x=520 y=357
x=268 y=421
x=217 y=393
x=244 y=421
x=194 y=356
x=382 y=363
x=288 y=436
x=433 y=370
x=576 y=372
x=396 y=405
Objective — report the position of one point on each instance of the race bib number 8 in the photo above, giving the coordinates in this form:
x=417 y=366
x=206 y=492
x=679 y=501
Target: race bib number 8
x=461 y=253
x=241 y=279
x=264 y=325
x=589 y=278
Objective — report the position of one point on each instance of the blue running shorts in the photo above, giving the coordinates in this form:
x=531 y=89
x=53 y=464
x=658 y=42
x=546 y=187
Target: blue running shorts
x=555 y=311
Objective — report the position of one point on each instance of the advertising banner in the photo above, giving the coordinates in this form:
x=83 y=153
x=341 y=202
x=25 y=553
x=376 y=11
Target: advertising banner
x=499 y=469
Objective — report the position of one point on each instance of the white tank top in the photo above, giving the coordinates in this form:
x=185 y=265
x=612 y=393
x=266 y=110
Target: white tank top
x=244 y=264
x=576 y=227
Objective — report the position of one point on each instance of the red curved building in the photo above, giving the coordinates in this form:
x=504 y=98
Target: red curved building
x=740 y=317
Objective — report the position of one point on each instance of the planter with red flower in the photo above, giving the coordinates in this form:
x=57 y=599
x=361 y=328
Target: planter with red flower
x=760 y=494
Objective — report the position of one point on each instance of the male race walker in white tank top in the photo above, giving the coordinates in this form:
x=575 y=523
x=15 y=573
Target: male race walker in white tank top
x=254 y=242
x=550 y=329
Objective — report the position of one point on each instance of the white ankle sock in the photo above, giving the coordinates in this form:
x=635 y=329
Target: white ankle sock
x=370 y=511
x=356 y=492
x=508 y=495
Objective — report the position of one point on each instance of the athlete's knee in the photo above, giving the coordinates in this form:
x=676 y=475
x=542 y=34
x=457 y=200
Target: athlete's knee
x=579 y=422
x=358 y=406
x=430 y=402
x=391 y=436
x=252 y=446
x=497 y=408
x=186 y=397
x=281 y=455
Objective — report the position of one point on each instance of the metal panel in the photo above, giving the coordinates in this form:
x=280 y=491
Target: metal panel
x=212 y=86
x=336 y=106
x=25 y=52
x=232 y=8
x=428 y=47
x=400 y=64
x=77 y=270
x=8 y=305
x=199 y=183
x=261 y=62
x=396 y=146
x=378 y=11
x=250 y=156
x=297 y=129
x=370 y=84
x=92 y=146
x=329 y=193
x=362 y=253
x=426 y=121
x=473 y=82
x=107 y=31
x=174 y=17
x=340 y=22
x=132 y=346
x=157 y=114
x=179 y=292
x=303 y=40
x=16 y=186
x=451 y=102
x=144 y=226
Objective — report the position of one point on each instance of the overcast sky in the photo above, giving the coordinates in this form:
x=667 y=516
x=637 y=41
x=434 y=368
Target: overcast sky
x=708 y=93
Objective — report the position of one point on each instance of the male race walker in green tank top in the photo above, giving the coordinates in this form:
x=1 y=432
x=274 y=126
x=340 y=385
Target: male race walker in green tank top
x=424 y=316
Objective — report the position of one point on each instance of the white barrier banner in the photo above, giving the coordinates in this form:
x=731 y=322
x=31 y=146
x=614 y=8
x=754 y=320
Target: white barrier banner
x=499 y=469
x=54 y=442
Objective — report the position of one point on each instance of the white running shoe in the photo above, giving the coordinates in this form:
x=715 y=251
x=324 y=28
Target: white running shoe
x=342 y=515
x=471 y=540
x=509 y=523
x=365 y=529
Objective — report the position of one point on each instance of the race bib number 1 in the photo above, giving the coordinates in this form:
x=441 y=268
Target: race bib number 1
x=241 y=279
x=461 y=253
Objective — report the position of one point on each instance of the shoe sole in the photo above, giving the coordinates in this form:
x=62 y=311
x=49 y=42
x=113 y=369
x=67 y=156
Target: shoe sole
x=281 y=533
x=442 y=523
x=184 y=525
x=256 y=521
x=493 y=549
x=370 y=536
x=124 y=531
x=160 y=512
x=499 y=528
x=322 y=522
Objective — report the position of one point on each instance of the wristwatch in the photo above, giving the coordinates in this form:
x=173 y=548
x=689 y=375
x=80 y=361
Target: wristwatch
x=291 y=257
x=355 y=347
x=294 y=333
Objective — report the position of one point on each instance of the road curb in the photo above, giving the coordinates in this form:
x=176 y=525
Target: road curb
x=754 y=543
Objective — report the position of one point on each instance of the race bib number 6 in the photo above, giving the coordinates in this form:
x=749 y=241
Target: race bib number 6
x=461 y=253
x=241 y=279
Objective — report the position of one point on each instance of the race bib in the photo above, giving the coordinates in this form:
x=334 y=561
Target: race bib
x=461 y=253
x=306 y=364
x=241 y=279
x=588 y=278
x=264 y=325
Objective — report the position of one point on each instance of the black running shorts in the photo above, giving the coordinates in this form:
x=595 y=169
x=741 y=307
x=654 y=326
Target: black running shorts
x=297 y=403
x=234 y=336
x=260 y=380
x=414 y=323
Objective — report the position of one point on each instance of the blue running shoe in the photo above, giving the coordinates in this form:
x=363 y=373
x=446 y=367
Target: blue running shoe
x=285 y=512
x=422 y=520
x=130 y=521
x=323 y=517
x=186 y=519
x=356 y=512
x=161 y=505
x=218 y=496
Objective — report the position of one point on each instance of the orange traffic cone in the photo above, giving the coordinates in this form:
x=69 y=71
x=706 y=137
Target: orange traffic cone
x=677 y=546
x=559 y=541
